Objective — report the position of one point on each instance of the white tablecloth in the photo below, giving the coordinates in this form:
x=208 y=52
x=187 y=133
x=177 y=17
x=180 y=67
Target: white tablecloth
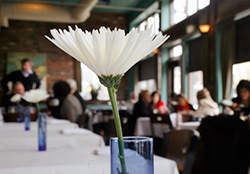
x=13 y=137
x=189 y=125
x=67 y=161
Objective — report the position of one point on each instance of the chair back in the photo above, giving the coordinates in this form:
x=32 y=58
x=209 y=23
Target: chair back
x=82 y=121
x=179 y=145
x=186 y=118
x=111 y=129
x=160 y=123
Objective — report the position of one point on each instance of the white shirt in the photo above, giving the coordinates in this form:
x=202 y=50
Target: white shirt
x=27 y=74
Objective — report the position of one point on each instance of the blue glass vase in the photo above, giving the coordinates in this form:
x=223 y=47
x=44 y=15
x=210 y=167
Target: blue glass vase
x=27 y=118
x=138 y=152
x=20 y=113
x=41 y=131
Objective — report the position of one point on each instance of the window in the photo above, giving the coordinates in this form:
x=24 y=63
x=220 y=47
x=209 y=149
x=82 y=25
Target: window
x=153 y=21
x=174 y=69
x=203 y=3
x=181 y=9
x=240 y=71
x=176 y=51
x=89 y=78
x=177 y=79
x=195 y=84
x=150 y=85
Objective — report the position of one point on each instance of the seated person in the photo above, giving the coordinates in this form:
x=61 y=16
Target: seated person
x=18 y=88
x=141 y=109
x=158 y=106
x=183 y=105
x=70 y=108
x=74 y=91
x=206 y=104
x=131 y=102
x=241 y=104
x=172 y=102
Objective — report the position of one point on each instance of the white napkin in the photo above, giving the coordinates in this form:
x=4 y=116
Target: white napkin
x=75 y=131
x=102 y=150
x=57 y=121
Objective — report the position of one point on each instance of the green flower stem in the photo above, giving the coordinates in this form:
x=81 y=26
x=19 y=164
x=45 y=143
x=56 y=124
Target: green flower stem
x=38 y=108
x=112 y=97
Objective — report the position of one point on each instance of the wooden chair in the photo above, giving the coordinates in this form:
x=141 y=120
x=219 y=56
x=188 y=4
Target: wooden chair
x=187 y=117
x=82 y=121
x=111 y=129
x=180 y=146
x=159 y=123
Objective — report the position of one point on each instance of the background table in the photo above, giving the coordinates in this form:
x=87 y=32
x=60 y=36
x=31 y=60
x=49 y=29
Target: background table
x=143 y=126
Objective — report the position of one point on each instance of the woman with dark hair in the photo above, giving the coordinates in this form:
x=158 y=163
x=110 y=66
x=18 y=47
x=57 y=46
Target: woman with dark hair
x=241 y=104
x=158 y=106
x=70 y=107
x=183 y=105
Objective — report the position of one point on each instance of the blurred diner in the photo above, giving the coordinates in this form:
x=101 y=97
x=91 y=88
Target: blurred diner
x=241 y=104
x=183 y=105
x=158 y=106
x=18 y=88
x=74 y=91
x=70 y=108
x=133 y=98
x=26 y=76
x=141 y=109
x=206 y=104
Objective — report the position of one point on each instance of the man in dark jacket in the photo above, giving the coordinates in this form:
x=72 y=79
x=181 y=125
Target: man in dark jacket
x=141 y=109
x=26 y=76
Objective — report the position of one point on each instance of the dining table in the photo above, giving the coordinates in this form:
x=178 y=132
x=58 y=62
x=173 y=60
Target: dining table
x=70 y=149
x=143 y=126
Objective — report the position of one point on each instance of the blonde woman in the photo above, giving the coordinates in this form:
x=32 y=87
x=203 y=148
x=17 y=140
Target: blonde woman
x=206 y=104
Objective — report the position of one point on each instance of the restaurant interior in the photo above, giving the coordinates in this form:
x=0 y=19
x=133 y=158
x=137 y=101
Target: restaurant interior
x=189 y=96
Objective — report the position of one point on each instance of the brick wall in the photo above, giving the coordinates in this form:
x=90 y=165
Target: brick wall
x=28 y=36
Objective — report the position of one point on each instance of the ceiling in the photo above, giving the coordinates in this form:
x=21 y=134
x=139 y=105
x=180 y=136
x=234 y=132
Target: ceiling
x=120 y=6
x=65 y=11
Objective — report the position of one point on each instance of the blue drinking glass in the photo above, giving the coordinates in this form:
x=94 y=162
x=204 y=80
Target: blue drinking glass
x=27 y=118
x=138 y=153
x=41 y=131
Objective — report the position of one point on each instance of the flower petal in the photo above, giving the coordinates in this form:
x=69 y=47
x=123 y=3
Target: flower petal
x=106 y=52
